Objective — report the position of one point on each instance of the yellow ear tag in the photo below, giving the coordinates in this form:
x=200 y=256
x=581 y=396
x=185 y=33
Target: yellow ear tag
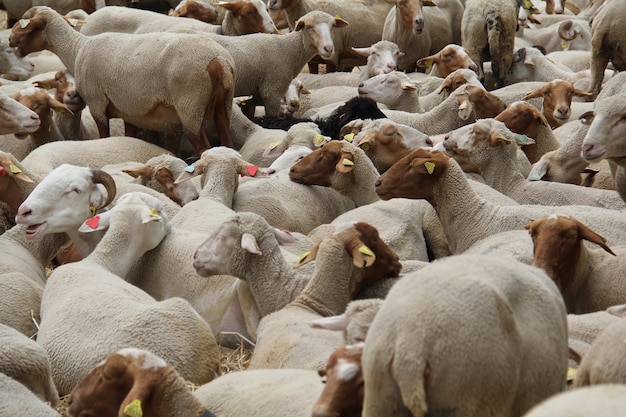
x=502 y=141
x=429 y=63
x=133 y=174
x=528 y=4
x=92 y=209
x=571 y=374
x=14 y=169
x=133 y=409
x=564 y=45
x=366 y=251
x=337 y=16
x=430 y=167
x=153 y=213
x=463 y=105
x=365 y=146
x=73 y=22
x=346 y=162
x=23 y=23
x=319 y=139
x=273 y=145
x=349 y=137
x=304 y=255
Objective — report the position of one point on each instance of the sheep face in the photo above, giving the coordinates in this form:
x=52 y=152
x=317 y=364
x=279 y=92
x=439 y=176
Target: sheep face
x=64 y=199
x=607 y=130
x=557 y=100
x=318 y=28
x=413 y=176
x=343 y=391
x=204 y=12
x=410 y=13
x=386 y=88
x=449 y=59
x=126 y=377
x=382 y=57
x=27 y=34
x=384 y=145
x=318 y=167
x=14 y=67
x=523 y=118
x=15 y=117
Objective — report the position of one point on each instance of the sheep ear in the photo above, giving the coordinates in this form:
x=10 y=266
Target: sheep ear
x=363 y=51
x=138 y=394
x=227 y=5
x=95 y=223
x=581 y=93
x=15 y=172
x=45 y=84
x=248 y=242
x=340 y=23
x=409 y=86
x=445 y=85
x=496 y=139
x=618 y=310
x=151 y=215
x=519 y=55
x=59 y=107
x=298 y=26
x=533 y=94
x=539 y=170
x=591 y=236
x=275 y=149
x=284 y=237
x=362 y=256
x=465 y=107
x=425 y=166
x=523 y=140
x=339 y=322
x=345 y=164
x=307 y=256
x=142 y=171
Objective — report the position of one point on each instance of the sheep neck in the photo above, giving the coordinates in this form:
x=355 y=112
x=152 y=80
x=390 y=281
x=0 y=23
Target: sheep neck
x=272 y=280
x=407 y=101
x=462 y=212
x=241 y=128
x=42 y=250
x=437 y=120
x=330 y=289
x=551 y=71
x=358 y=185
x=64 y=41
x=545 y=141
x=499 y=169
x=171 y=397
x=220 y=183
x=116 y=257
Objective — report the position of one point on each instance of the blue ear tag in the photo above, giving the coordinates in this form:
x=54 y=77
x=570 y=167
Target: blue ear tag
x=523 y=139
x=191 y=168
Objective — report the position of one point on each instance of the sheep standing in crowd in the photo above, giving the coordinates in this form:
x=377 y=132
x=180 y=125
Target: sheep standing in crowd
x=169 y=107
x=488 y=33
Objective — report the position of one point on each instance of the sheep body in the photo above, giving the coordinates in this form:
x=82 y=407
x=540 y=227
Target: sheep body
x=605 y=400
x=505 y=295
x=16 y=399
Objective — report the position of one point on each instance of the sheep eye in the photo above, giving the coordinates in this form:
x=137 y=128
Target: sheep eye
x=77 y=190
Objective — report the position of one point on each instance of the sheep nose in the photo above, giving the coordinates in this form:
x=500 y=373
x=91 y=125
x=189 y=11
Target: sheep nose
x=329 y=49
x=418 y=24
x=361 y=85
x=34 y=116
x=22 y=213
x=378 y=183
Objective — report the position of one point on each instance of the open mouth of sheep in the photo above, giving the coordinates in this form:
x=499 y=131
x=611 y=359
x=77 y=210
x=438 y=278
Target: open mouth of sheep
x=33 y=230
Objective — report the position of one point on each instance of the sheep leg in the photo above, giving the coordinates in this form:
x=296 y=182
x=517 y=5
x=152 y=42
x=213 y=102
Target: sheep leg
x=200 y=142
x=130 y=129
x=103 y=128
x=599 y=61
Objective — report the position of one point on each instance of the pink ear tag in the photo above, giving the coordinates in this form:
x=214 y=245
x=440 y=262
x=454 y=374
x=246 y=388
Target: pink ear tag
x=93 y=222
x=252 y=170
x=2 y=171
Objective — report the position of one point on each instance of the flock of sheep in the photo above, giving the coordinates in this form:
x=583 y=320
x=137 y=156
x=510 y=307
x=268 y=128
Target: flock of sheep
x=431 y=226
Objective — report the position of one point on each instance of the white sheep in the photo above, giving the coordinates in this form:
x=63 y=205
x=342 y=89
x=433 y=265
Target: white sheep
x=366 y=25
x=602 y=363
x=574 y=60
x=357 y=256
x=164 y=105
x=467 y=218
x=324 y=96
x=567 y=35
x=422 y=27
x=529 y=64
x=606 y=400
x=93 y=153
x=257 y=55
x=22 y=359
x=488 y=32
x=461 y=107
x=290 y=103
x=15 y=117
x=606 y=43
x=590 y=280
x=419 y=353
x=17 y=399
x=492 y=147
x=240 y=18
x=354 y=322
x=94 y=291
x=13 y=67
